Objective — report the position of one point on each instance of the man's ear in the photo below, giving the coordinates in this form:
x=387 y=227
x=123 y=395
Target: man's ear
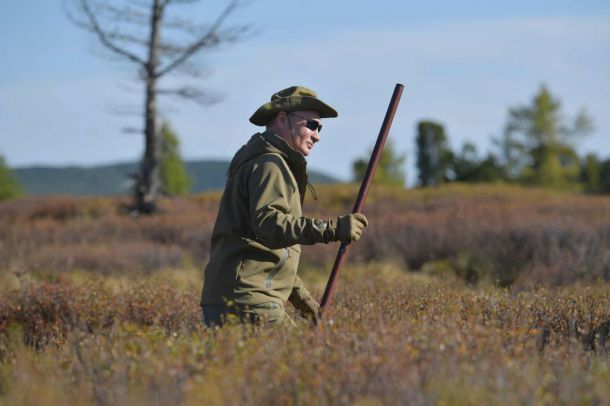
x=283 y=118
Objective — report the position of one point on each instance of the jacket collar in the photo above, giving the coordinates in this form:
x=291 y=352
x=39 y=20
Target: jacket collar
x=292 y=155
x=295 y=160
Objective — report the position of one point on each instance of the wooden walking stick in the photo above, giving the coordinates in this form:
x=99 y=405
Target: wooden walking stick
x=364 y=190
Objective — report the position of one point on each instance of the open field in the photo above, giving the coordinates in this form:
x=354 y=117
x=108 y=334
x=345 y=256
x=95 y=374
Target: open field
x=460 y=295
x=492 y=234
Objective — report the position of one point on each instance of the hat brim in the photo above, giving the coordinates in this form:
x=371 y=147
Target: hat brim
x=267 y=111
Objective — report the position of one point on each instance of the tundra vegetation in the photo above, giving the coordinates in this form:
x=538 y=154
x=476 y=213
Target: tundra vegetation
x=9 y=185
x=477 y=294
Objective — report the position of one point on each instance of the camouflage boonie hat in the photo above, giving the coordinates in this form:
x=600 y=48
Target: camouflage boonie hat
x=292 y=99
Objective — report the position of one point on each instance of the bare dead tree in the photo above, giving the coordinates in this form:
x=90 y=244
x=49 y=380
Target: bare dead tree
x=145 y=34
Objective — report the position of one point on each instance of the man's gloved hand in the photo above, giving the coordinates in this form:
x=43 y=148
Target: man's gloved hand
x=311 y=310
x=349 y=228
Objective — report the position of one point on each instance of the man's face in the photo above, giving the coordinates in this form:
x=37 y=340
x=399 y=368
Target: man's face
x=303 y=137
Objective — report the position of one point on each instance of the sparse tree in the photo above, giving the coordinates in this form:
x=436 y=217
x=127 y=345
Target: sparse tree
x=390 y=169
x=157 y=43
x=468 y=167
x=538 y=143
x=9 y=185
x=604 y=176
x=433 y=153
x=464 y=164
x=174 y=179
x=590 y=173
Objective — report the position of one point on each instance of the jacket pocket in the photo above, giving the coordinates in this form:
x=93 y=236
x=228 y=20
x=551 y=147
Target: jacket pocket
x=260 y=265
x=277 y=268
x=269 y=312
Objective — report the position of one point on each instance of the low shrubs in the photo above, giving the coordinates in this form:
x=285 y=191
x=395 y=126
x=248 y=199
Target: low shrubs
x=416 y=340
x=493 y=234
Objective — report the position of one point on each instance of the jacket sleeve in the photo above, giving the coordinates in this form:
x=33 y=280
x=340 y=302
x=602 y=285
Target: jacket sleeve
x=270 y=191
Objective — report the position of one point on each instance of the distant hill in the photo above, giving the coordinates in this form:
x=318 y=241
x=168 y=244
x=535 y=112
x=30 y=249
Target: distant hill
x=114 y=179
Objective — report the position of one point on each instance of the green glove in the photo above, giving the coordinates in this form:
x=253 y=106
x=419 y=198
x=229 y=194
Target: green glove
x=349 y=228
x=311 y=310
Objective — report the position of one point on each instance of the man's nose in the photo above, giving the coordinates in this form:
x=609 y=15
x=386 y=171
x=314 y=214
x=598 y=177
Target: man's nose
x=315 y=136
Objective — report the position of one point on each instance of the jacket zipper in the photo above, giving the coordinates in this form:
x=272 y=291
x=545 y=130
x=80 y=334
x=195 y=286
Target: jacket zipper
x=276 y=269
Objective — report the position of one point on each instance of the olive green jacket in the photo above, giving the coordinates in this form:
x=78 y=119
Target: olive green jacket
x=256 y=239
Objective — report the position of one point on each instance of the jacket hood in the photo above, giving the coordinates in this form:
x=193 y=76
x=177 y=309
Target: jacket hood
x=267 y=143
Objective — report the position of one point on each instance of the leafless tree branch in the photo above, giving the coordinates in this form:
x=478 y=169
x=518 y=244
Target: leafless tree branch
x=184 y=25
x=192 y=69
x=209 y=39
x=132 y=32
x=125 y=14
x=124 y=110
x=129 y=88
x=121 y=37
x=132 y=130
x=104 y=37
x=191 y=93
x=165 y=48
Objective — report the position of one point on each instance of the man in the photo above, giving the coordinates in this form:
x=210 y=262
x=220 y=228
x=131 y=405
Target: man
x=256 y=240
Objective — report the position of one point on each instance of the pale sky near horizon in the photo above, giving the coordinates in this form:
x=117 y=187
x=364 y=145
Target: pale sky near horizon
x=462 y=63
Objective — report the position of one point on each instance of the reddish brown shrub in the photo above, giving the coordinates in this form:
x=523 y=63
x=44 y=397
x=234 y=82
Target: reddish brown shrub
x=503 y=235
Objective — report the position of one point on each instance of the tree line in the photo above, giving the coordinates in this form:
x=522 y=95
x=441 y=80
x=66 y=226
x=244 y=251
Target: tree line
x=172 y=171
x=537 y=148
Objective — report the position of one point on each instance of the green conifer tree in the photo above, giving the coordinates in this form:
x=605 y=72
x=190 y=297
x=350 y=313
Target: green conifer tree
x=9 y=185
x=390 y=169
x=604 y=176
x=468 y=167
x=539 y=142
x=174 y=179
x=590 y=173
x=433 y=154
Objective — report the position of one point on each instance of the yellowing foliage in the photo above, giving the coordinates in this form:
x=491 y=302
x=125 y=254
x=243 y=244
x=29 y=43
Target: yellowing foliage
x=416 y=340
x=97 y=307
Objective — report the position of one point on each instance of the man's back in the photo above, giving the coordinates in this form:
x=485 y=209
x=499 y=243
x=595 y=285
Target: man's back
x=254 y=261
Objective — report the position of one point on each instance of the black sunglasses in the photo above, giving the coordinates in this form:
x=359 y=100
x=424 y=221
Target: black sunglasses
x=313 y=125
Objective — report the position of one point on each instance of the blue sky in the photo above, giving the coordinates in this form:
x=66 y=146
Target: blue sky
x=463 y=64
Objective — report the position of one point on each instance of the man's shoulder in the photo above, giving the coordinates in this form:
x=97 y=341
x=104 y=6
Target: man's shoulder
x=270 y=166
x=271 y=160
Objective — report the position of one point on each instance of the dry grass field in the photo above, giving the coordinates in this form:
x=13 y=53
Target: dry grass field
x=458 y=295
